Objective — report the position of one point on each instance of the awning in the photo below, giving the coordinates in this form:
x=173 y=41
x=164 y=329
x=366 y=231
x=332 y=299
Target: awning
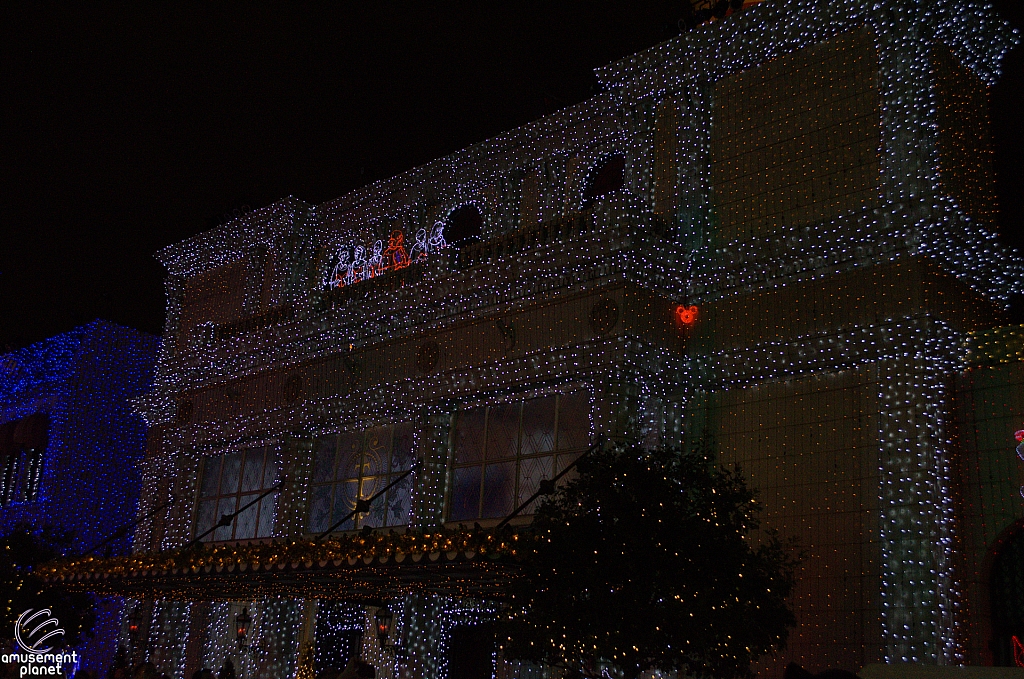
x=350 y=567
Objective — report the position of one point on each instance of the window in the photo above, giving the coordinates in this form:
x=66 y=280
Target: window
x=502 y=452
x=605 y=178
x=464 y=226
x=230 y=482
x=22 y=444
x=357 y=465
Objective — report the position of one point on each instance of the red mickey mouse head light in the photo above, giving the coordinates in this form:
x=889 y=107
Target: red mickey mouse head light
x=687 y=315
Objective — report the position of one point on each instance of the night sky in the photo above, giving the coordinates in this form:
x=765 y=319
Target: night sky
x=129 y=128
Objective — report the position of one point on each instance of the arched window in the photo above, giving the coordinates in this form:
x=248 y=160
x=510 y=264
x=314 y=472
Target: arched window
x=22 y=444
x=463 y=226
x=1007 y=592
x=608 y=176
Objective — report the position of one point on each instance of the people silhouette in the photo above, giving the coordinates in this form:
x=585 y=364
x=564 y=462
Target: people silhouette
x=376 y=263
x=420 y=247
x=341 y=270
x=437 y=237
x=358 y=268
x=395 y=257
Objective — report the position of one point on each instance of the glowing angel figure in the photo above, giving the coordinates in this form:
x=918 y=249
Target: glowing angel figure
x=420 y=247
x=395 y=257
x=340 y=275
x=437 y=238
x=357 y=270
x=376 y=263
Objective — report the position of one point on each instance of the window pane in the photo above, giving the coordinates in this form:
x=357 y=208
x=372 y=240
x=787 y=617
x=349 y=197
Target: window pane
x=378 y=451
x=372 y=485
x=499 y=490
x=469 y=436
x=402 y=453
x=323 y=464
x=562 y=462
x=531 y=471
x=205 y=517
x=245 y=524
x=465 y=502
x=225 y=506
x=18 y=485
x=229 y=475
x=270 y=471
x=573 y=421
x=538 y=426
x=378 y=510
x=502 y=431
x=252 y=471
x=320 y=509
x=211 y=476
x=267 y=506
x=398 y=503
x=349 y=447
x=344 y=502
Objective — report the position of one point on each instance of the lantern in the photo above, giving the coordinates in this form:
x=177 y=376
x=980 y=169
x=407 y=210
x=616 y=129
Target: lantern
x=383 y=620
x=242 y=622
x=135 y=621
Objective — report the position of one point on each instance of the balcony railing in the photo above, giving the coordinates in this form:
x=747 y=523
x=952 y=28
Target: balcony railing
x=386 y=282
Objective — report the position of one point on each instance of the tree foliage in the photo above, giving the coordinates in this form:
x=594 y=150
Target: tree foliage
x=21 y=550
x=645 y=562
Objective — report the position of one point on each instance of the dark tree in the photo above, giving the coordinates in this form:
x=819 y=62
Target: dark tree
x=21 y=550
x=645 y=562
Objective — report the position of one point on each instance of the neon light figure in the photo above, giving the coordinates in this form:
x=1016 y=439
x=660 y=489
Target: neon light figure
x=1019 y=435
x=342 y=270
x=420 y=248
x=376 y=263
x=395 y=256
x=358 y=268
x=437 y=238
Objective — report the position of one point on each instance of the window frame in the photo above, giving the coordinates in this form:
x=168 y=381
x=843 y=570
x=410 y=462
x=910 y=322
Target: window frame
x=337 y=482
x=555 y=453
x=271 y=456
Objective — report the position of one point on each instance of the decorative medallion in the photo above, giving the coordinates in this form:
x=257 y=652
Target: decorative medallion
x=427 y=355
x=293 y=388
x=603 y=316
x=185 y=410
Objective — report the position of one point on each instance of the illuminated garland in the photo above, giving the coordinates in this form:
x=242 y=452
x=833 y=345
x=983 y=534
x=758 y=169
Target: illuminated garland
x=350 y=548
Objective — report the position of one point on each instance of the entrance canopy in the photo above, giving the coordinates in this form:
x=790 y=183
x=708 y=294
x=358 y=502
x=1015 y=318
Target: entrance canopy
x=350 y=567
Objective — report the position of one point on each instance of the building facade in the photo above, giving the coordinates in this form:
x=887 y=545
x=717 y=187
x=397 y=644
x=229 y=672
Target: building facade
x=70 y=446
x=770 y=238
